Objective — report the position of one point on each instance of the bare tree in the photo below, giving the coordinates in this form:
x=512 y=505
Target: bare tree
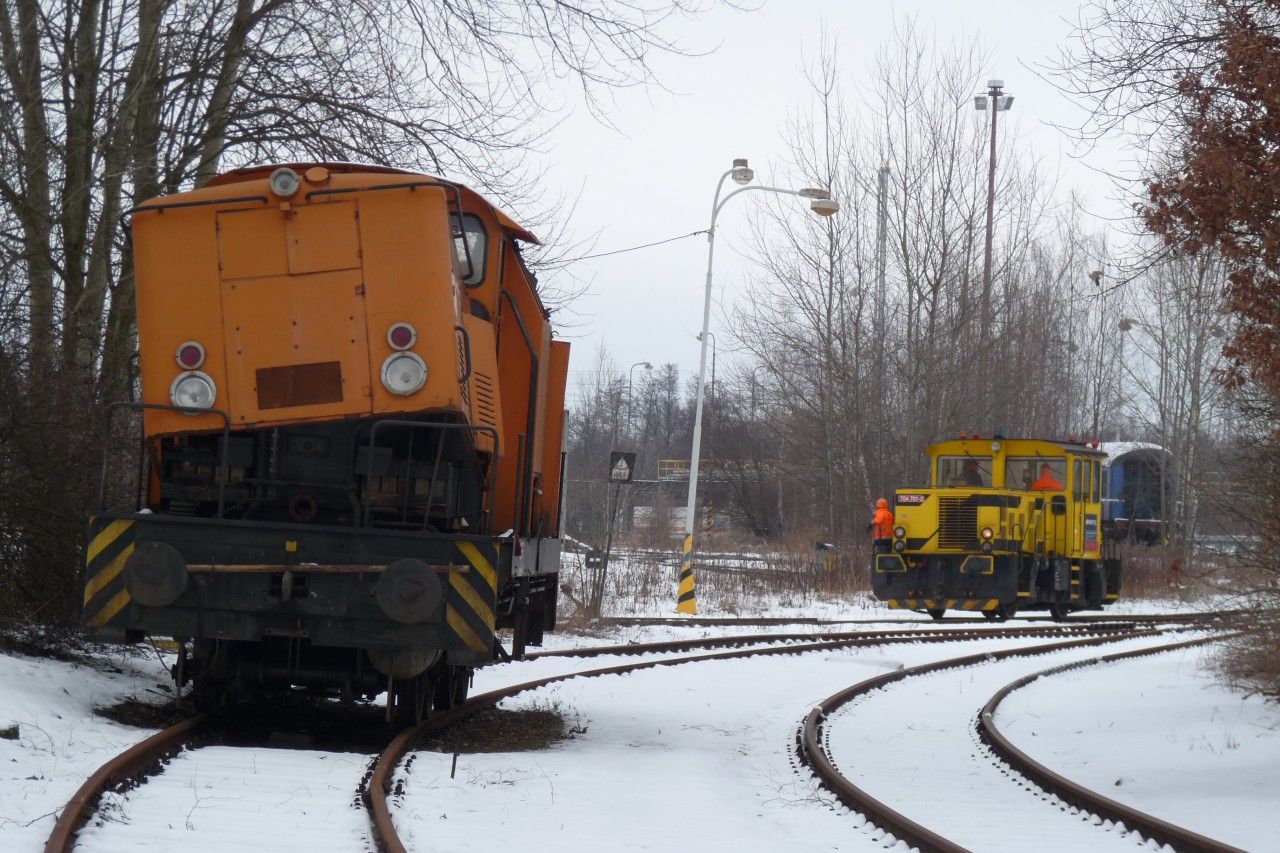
x=104 y=105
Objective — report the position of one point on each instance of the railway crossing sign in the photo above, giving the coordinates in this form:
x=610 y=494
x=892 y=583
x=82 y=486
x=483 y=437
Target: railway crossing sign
x=621 y=466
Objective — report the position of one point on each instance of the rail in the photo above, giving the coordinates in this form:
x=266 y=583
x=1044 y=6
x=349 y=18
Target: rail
x=810 y=748
x=1177 y=837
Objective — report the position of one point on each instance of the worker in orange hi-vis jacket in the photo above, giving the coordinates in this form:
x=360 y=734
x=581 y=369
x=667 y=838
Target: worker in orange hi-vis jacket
x=881 y=528
x=1047 y=482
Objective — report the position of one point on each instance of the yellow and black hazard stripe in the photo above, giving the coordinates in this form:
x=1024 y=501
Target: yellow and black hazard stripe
x=686 y=598
x=944 y=603
x=472 y=598
x=111 y=541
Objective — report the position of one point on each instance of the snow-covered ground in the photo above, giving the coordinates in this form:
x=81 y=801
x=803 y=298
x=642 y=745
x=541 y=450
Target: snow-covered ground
x=61 y=741
x=1168 y=741
x=683 y=757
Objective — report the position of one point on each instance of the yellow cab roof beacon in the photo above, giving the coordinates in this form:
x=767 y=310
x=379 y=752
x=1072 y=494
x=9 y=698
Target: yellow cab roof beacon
x=352 y=425
x=1003 y=525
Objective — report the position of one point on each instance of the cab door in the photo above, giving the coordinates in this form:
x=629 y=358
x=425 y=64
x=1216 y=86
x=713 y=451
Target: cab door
x=1080 y=476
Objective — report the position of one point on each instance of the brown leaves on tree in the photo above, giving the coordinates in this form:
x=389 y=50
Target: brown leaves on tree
x=1223 y=190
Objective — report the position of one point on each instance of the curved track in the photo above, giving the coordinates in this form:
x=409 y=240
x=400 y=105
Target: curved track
x=813 y=752
x=142 y=759
x=381 y=778
x=130 y=764
x=1077 y=795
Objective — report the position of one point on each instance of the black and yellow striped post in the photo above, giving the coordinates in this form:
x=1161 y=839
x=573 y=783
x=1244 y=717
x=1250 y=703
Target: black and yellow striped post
x=686 y=599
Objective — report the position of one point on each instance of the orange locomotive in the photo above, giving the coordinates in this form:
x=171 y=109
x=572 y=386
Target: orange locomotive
x=353 y=417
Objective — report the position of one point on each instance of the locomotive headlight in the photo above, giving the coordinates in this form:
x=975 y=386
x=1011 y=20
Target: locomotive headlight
x=284 y=182
x=899 y=546
x=987 y=533
x=987 y=547
x=404 y=373
x=900 y=532
x=193 y=390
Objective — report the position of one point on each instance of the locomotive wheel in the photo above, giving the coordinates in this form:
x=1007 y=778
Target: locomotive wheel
x=451 y=688
x=937 y=614
x=1003 y=612
x=411 y=698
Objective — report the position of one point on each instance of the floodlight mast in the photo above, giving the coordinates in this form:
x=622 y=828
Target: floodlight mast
x=999 y=102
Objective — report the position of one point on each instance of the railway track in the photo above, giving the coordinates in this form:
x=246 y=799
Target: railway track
x=1075 y=618
x=915 y=634
x=812 y=748
x=144 y=758
x=1177 y=837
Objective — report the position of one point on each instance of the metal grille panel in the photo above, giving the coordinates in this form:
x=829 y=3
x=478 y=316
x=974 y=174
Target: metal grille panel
x=957 y=523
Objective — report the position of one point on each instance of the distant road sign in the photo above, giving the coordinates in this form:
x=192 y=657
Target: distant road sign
x=621 y=466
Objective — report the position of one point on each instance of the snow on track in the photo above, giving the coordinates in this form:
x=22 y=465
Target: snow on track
x=913 y=745
x=699 y=756
x=220 y=799
x=1171 y=742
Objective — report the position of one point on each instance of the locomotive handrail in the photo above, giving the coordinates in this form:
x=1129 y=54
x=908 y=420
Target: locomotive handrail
x=142 y=444
x=466 y=344
x=161 y=208
x=373 y=434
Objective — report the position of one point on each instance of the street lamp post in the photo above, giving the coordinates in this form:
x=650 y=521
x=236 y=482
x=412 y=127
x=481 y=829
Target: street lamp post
x=822 y=204
x=999 y=102
x=711 y=391
x=630 y=373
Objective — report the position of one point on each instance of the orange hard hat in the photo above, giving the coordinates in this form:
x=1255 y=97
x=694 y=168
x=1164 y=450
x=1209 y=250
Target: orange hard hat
x=882 y=504
x=1045 y=469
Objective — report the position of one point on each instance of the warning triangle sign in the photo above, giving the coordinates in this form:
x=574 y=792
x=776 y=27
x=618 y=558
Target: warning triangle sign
x=621 y=467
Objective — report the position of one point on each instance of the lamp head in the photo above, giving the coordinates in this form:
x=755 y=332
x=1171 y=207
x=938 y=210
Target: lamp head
x=647 y=365
x=741 y=172
x=813 y=192
x=824 y=206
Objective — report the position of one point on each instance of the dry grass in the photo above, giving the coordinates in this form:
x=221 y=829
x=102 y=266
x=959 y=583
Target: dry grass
x=733 y=577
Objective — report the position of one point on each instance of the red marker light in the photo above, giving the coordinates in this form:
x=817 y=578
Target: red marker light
x=190 y=355
x=401 y=336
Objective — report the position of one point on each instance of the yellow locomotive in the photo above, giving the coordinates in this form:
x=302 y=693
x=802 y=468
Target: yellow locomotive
x=1005 y=525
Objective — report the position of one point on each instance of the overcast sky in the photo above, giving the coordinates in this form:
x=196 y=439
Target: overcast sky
x=653 y=175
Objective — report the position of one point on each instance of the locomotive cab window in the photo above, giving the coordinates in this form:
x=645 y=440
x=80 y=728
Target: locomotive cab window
x=1029 y=473
x=964 y=471
x=470 y=246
